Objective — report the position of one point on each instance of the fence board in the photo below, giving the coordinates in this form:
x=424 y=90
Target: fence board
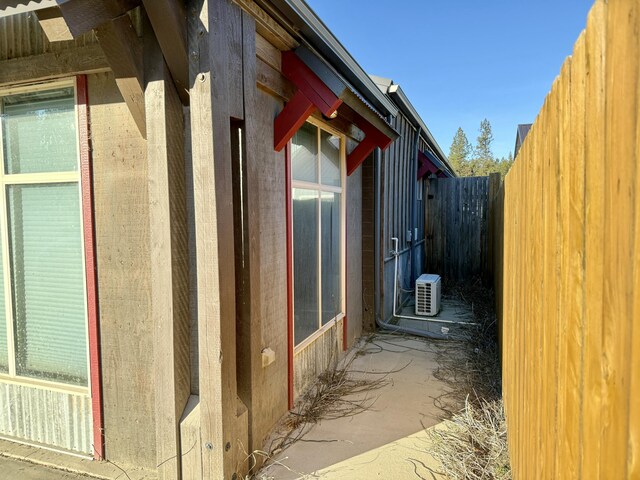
x=456 y=227
x=566 y=241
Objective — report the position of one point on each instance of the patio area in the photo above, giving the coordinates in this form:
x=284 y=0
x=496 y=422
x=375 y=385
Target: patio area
x=389 y=439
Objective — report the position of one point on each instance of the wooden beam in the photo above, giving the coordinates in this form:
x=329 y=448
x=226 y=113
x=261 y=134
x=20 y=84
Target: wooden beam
x=268 y=27
x=169 y=257
x=169 y=21
x=210 y=24
x=54 y=25
x=290 y=119
x=273 y=82
x=123 y=50
x=268 y=53
x=73 y=61
x=82 y=16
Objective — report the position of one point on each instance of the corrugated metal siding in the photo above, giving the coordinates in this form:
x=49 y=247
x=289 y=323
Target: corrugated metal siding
x=48 y=417
x=21 y=36
x=315 y=358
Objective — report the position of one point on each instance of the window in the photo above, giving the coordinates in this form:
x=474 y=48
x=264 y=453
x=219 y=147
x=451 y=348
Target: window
x=317 y=167
x=43 y=316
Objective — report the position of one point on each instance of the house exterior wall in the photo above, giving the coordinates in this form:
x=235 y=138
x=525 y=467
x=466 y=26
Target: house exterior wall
x=124 y=269
x=125 y=265
x=121 y=214
x=398 y=180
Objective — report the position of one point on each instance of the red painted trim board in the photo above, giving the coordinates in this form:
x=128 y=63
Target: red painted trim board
x=90 y=265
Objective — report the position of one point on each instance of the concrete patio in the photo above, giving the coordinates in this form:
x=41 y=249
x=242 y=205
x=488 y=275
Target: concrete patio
x=389 y=439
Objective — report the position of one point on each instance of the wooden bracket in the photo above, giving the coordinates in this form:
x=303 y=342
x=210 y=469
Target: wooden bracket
x=311 y=94
x=427 y=166
x=373 y=138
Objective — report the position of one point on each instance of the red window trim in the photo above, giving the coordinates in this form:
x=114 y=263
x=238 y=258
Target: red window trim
x=86 y=175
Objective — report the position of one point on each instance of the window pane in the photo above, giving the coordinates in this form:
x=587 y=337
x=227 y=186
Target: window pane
x=48 y=282
x=330 y=153
x=304 y=154
x=331 y=274
x=305 y=263
x=39 y=130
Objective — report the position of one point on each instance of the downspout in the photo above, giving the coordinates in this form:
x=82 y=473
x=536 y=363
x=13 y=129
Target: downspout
x=377 y=228
x=414 y=206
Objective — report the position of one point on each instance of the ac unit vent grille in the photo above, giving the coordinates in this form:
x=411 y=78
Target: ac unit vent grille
x=428 y=295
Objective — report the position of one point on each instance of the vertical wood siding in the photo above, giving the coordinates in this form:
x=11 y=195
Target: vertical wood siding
x=568 y=266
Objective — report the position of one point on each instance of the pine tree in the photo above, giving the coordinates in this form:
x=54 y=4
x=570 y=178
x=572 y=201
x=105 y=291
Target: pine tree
x=483 y=161
x=459 y=153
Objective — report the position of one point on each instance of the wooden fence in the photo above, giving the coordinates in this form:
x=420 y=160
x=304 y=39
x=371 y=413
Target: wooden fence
x=458 y=237
x=568 y=268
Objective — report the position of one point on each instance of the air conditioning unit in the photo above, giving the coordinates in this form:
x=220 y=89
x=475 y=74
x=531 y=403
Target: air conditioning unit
x=428 y=295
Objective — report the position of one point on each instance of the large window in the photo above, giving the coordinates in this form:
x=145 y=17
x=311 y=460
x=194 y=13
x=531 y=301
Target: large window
x=317 y=167
x=43 y=317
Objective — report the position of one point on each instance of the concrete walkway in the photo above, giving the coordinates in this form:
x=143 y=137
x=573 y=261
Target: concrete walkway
x=386 y=441
x=13 y=469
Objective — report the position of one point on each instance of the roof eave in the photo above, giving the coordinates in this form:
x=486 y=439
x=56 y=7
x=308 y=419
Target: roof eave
x=399 y=97
x=316 y=33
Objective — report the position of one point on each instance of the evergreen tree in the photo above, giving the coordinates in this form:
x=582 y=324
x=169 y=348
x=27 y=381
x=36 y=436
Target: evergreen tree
x=483 y=160
x=459 y=153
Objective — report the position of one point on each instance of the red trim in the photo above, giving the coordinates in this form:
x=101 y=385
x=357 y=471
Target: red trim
x=90 y=265
x=309 y=83
x=373 y=138
x=289 y=214
x=311 y=94
x=290 y=119
x=427 y=166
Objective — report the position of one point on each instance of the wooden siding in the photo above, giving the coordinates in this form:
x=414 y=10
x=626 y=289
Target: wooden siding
x=354 y=257
x=124 y=275
x=568 y=272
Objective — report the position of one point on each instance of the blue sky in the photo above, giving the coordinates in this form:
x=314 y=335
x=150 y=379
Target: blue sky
x=461 y=61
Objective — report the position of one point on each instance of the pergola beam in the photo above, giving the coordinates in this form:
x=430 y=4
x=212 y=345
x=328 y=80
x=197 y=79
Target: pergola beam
x=83 y=16
x=123 y=50
x=169 y=21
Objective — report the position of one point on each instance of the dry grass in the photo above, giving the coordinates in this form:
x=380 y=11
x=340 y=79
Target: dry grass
x=475 y=445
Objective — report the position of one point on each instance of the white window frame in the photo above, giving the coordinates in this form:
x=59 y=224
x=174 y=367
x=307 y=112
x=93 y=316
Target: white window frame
x=320 y=188
x=38 y=179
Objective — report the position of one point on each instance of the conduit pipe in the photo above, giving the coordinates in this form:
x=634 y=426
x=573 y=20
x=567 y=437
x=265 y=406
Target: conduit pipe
x=409 y=330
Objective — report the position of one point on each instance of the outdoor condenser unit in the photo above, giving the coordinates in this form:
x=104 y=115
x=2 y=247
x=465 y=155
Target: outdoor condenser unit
x=428 y=295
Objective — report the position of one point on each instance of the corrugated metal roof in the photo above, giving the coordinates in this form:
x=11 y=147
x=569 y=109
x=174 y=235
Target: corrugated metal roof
x=13 y=7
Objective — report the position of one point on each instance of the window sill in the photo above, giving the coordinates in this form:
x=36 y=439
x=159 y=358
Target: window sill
x=317 y=334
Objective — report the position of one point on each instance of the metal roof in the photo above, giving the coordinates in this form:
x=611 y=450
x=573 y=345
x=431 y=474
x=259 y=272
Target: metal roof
x=306 y=24
x=13 y=7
